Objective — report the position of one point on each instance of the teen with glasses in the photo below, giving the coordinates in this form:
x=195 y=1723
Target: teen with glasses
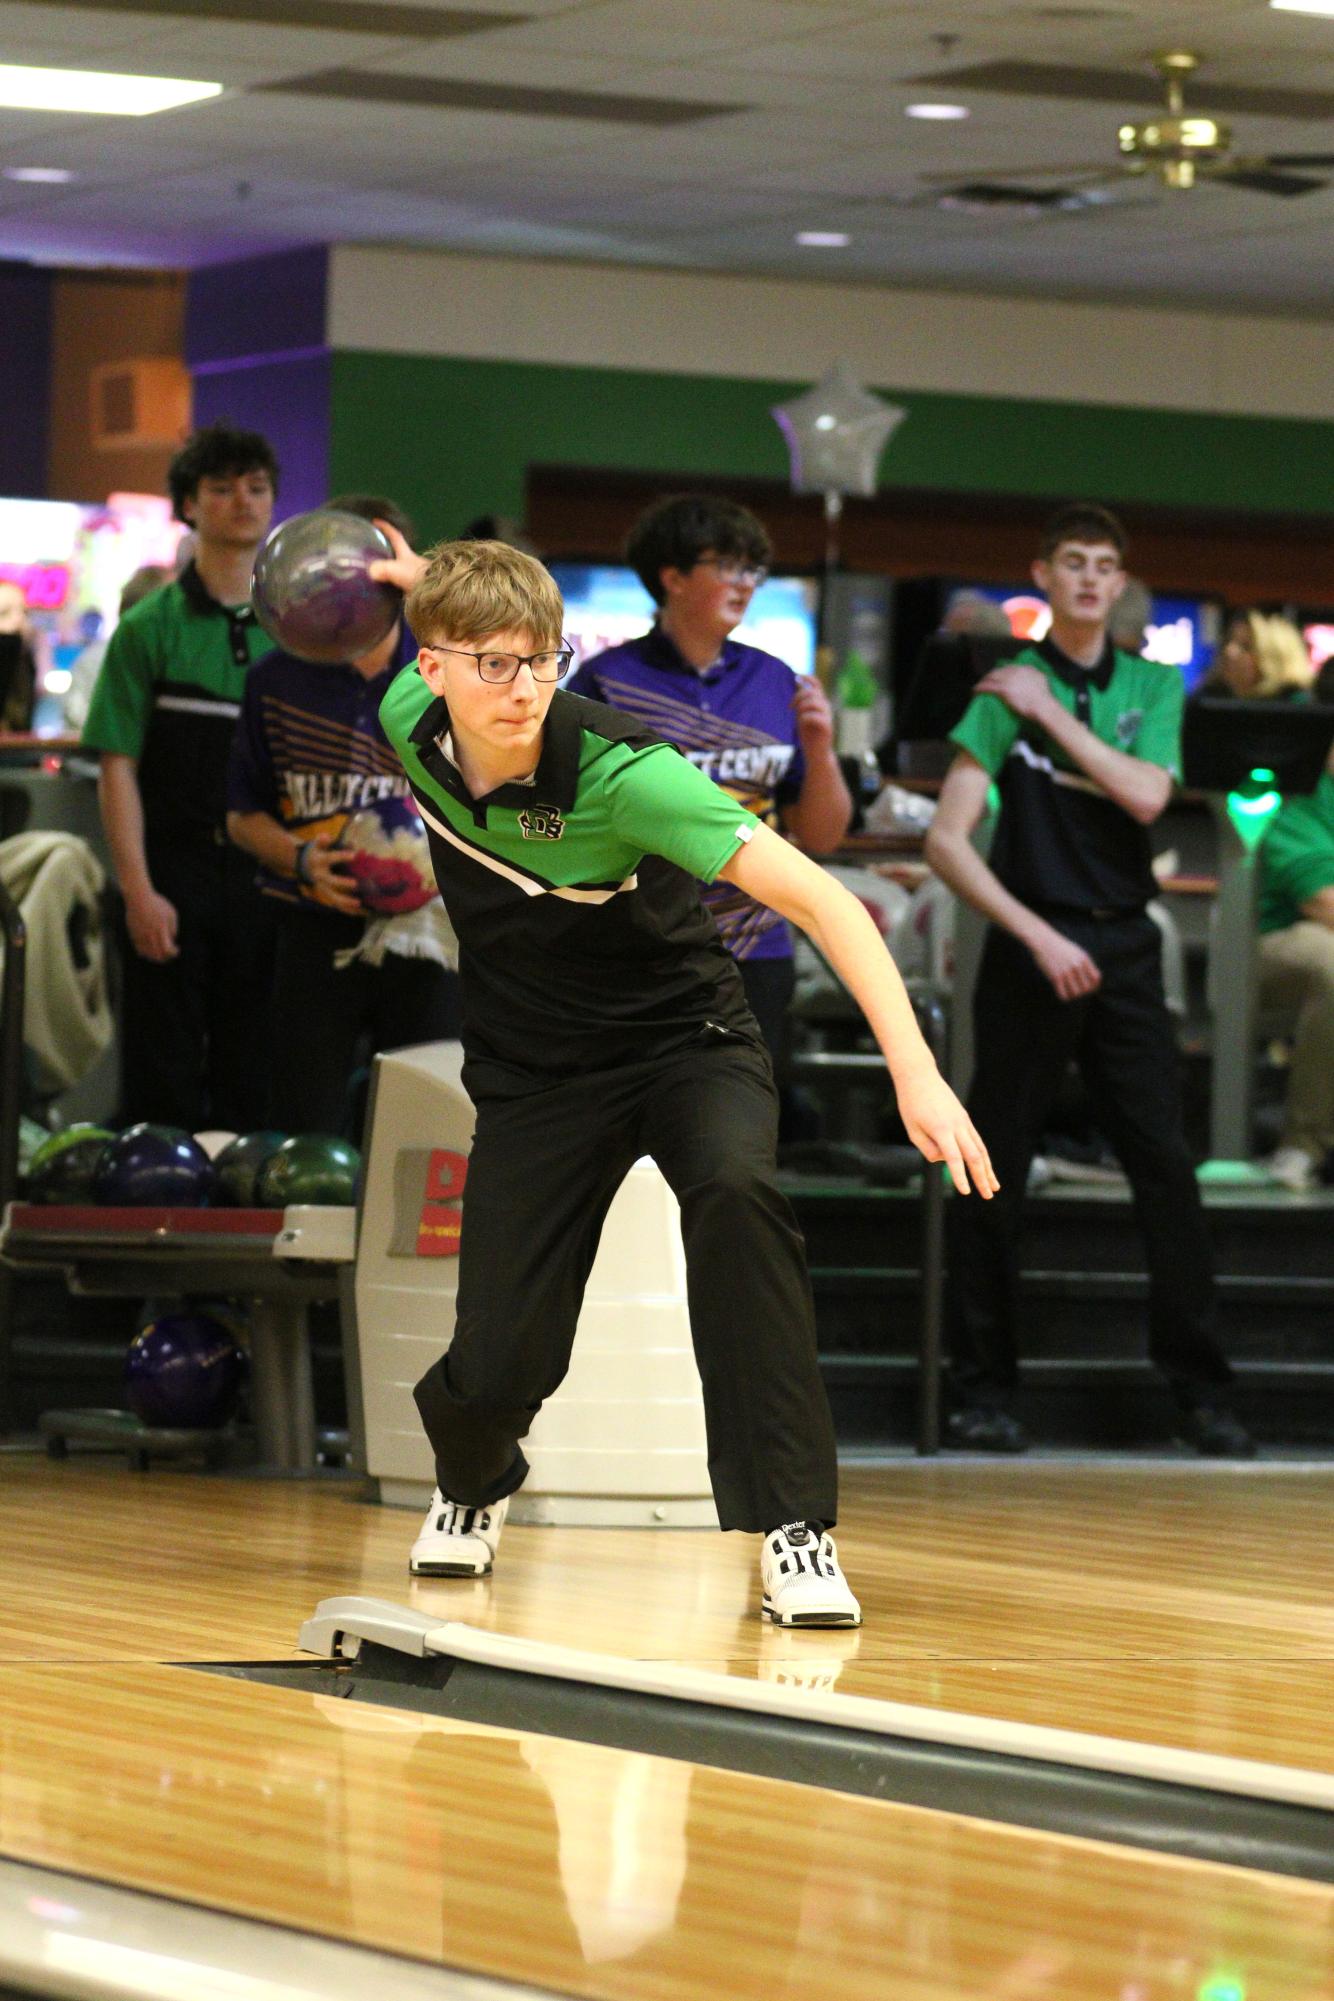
x=602 y=1020
x=739 y=714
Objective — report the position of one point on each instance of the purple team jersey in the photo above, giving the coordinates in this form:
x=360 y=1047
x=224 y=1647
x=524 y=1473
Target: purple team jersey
x=736 y=722
x=309 y=750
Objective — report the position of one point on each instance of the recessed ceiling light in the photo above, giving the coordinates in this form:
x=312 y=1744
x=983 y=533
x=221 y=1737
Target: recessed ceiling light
x=1304 y=7
x=823 y=239
x=941 y=111
x=86 y=90
x=55 y=175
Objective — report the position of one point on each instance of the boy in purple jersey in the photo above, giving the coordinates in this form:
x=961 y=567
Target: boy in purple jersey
x=762 y=732
x=309 y=753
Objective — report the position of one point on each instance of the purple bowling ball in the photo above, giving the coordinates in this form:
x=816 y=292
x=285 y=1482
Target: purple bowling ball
x=312 y=592
x=388 y=857
x=154 y=1167
x=184 y=1370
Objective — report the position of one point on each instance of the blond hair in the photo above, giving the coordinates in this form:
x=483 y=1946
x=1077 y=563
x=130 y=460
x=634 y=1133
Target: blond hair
x=470 y=590
x=1280 y=654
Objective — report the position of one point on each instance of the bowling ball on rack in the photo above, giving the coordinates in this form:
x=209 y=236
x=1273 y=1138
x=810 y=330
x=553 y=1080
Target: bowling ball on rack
x=312 y=590
x=313 y=1167
x=237 y=1166
x=149 y=1167
x=62 y=1167
x=184 y=1369
x=384 y=849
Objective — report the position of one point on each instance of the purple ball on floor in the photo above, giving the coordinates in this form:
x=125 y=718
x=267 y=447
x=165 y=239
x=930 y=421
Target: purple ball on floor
x=184 y=1370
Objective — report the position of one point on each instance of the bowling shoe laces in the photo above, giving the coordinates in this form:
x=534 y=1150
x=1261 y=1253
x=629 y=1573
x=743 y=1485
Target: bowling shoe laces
x=802 y=1580
x=456 y=1541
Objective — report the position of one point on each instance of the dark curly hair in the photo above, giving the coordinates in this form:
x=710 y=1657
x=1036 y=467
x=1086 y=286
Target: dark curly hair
x=219 y=451
x=1082 y=521
x=675 y=533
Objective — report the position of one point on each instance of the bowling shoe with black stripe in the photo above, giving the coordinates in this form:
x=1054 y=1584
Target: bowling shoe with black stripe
x=456 y=1541
x=802 y=1580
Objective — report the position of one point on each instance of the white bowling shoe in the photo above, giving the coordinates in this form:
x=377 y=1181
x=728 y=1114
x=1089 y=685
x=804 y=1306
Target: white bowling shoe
x=802 y=1580
x=456 y=1541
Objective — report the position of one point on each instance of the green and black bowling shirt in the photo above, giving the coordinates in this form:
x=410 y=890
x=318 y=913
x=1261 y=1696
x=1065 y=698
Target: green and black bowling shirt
x=583 y=943
x=169 y=694
x=1061 y=843
x=1297 y=859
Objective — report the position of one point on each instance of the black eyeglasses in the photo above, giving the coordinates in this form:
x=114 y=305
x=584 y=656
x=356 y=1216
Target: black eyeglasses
x=732 y=571
x=497 y=668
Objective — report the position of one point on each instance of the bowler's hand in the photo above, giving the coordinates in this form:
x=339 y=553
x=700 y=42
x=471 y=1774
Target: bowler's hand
x=814 y=717
x=152 y=922
x=330 y=877
x=941 y=1129
x=405 y=566
x=1024 y=691
x=1067 y=965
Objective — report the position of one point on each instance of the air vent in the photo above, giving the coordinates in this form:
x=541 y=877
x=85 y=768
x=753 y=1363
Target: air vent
x=976 y=195
x=441 y=94
x=137 y=404
x=1127 y=88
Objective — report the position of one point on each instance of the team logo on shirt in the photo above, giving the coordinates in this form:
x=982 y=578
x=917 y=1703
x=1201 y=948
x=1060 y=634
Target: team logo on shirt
x=541 y=823
x=1128 y=726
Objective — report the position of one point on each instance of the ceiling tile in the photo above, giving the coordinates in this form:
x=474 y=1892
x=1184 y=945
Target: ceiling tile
x=822 y=141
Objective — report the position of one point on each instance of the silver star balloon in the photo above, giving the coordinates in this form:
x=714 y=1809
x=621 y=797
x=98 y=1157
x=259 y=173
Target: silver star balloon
x=835 y=433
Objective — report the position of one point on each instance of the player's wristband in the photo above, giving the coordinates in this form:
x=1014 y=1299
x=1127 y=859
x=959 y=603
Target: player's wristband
x=302 y=870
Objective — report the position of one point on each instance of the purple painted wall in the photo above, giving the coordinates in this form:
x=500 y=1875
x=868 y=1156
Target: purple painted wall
x=261 y=306
x=255 y=342
x=25 y=363
x=288 y=400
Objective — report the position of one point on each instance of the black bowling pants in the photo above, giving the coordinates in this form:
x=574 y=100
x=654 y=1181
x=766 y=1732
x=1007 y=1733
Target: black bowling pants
x=194 y=1029
x=325 y=1017
x=541 y=1177
x=1122 y=1041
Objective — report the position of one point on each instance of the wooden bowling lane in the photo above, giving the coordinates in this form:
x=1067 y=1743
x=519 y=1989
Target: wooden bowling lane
x=98 y=1563
x=603 y=1873
x=1186 y=1605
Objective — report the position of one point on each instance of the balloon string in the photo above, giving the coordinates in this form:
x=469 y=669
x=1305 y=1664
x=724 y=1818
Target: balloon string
x=833 y=514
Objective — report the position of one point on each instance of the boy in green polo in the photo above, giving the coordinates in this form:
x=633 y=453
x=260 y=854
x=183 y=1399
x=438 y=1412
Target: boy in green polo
x=196 y=935
x=1084 y=744
x=604 y=1020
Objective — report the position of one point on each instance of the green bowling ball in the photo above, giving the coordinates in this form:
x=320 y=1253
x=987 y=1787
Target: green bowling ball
x=313 y=1167
x=237 y=1168
x=62 y=1167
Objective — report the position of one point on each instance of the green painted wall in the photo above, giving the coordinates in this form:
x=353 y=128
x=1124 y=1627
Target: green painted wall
x=451 y=439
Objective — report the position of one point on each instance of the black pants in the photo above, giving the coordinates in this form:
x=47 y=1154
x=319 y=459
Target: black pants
x=769 y=985
x=324 y=1015
x=542 y=1174
x=1121 y=1038
x=194 y=1030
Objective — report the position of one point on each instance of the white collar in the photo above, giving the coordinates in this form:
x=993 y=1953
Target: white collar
x=445 y=745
